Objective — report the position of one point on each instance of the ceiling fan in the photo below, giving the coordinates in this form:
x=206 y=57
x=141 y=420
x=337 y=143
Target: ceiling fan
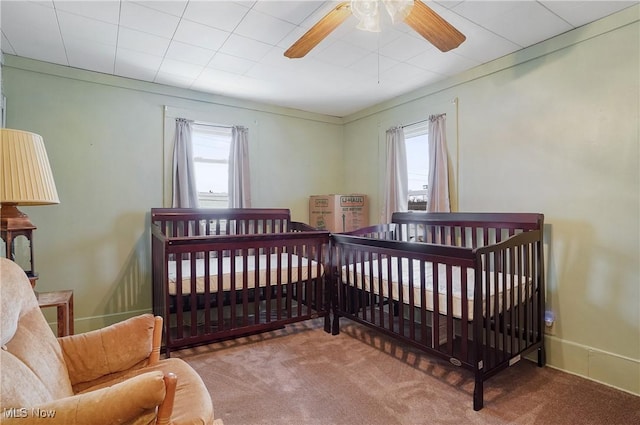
x=414 y=13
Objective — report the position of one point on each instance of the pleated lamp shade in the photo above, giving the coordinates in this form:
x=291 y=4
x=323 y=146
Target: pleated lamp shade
x=25 y=170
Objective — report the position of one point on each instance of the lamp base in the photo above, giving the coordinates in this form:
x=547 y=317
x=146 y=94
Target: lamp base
x=15 y=223
x=11 y=218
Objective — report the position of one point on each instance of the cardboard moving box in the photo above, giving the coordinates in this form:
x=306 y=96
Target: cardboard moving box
x=339 y=213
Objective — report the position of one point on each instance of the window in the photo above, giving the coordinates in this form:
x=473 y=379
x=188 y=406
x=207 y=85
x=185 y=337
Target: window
x=417 y=145
x=211 y=145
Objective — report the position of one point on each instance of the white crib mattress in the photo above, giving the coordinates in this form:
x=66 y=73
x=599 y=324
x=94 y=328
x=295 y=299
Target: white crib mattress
x=513 y=283
x=308 y=270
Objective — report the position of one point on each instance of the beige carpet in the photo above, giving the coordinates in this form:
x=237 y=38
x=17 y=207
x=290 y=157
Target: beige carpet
x=301 y=375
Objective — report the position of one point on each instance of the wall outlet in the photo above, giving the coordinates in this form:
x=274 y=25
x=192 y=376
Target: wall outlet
x=549 y=322
x=550 y=329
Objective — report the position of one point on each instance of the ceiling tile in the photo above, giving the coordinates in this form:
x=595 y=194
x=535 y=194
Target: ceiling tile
x=222 y=15
x=523 y=22
x=142 y=42
x=200 y=35
x=249 y=3
x=578 y=13
x=373 y=41
x=214 y=79
x=244 y=47
x=189 y=71
x=341 y=54
x=188 y=53
x=141 y=18
x=90 y=30
x=289 y=11
x=405 y=47
x=230 y=63
x=139 y=65
x=480 y=43
x=403 y=71
x=172 y=7
x=92 y=56
x=373 y=64
x=105 y=11
x=448 y=3
x=44 y=44
x=259 y=26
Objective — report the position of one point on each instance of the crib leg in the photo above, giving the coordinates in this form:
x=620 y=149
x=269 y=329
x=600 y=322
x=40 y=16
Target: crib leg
x=478 y=401
x=336 y=325
x=542 y=357
x=327 y=322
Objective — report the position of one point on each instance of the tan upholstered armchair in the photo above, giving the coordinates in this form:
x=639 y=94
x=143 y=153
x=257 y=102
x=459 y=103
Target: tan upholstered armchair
x=108 y=376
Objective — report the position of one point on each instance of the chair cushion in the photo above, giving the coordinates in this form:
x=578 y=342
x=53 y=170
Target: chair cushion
x=92 y=355
x=16 y=298
x=31 y=357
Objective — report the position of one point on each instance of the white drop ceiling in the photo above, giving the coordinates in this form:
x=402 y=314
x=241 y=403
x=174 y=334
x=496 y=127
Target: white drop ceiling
x=235 y=48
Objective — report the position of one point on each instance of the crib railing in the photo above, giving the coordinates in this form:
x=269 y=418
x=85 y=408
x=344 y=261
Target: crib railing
x=176 y=222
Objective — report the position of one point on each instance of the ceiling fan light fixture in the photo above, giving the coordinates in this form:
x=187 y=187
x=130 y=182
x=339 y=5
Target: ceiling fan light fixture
x=417 y=15
x=398 y=9
x=367 y=13
x=369 y=23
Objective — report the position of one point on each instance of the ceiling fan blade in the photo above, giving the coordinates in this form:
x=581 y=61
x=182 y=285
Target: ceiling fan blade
x=431 y=26
x=319 y=31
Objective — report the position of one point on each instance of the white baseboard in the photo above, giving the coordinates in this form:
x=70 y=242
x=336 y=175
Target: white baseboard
x=601 y=366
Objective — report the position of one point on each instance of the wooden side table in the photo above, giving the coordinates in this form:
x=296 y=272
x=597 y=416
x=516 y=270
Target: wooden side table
x=63 y=301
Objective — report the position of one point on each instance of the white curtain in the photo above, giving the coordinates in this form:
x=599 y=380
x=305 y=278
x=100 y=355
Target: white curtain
x=185 y=194
x=438 y=189
x=396 y=194
x=239 y=181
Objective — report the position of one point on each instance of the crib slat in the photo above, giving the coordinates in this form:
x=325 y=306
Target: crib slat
x=464 y=322
x=268 y=289
x=449 y=319
x=192 y=296
x=411 y=302
x=423 y=305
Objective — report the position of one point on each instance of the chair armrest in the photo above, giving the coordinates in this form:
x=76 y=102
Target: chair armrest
x=112 y=349
x=121 y=403
x=156 y=341
x=166 y=408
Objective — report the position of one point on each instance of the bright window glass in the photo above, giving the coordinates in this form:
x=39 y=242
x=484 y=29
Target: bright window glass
x=417 y=145
x=211 y=145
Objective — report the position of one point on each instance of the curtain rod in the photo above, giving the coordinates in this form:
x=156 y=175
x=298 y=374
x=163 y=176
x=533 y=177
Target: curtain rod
x=414 y=123
x=421 y=121
x=212 y=125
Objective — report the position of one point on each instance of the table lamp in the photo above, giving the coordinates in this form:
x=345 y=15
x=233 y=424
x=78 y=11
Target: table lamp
x=25 y=179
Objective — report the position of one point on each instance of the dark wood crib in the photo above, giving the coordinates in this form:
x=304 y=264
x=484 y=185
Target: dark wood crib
x=467 y=287
x=224 y=273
